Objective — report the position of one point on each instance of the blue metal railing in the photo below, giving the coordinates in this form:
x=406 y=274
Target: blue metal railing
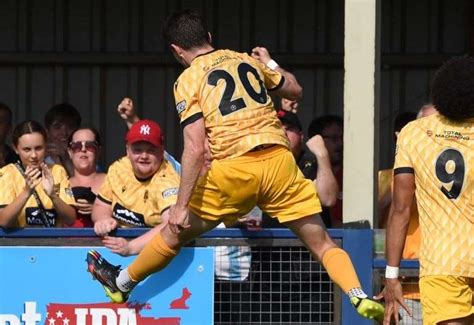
x=358 y=243
x=134 y=232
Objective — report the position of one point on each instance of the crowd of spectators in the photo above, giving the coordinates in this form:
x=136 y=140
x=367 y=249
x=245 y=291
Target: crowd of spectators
x=51 y=177
x=77 y=148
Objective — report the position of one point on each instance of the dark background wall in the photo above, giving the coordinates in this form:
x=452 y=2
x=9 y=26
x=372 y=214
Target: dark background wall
x=92 y=53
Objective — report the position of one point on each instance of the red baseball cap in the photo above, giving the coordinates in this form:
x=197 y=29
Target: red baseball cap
x=145 y=130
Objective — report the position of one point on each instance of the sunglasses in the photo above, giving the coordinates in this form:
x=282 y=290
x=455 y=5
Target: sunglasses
x=77 y=146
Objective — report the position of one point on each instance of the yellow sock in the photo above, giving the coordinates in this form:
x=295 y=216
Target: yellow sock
x=154 y=257
x=339 y=266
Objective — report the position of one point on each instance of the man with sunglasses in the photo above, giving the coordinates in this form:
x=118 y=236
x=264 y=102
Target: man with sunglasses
x=138 y=190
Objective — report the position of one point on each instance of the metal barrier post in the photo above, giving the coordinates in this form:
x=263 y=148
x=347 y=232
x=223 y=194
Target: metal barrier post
x=359 y=245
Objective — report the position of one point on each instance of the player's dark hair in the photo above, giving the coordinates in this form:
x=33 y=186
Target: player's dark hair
x=319 y=124
x=62 y=112
x=4 y=107
x=90 y=128
x=403 y=119
x=186 y=29
x=452 y=89
x=27 y=127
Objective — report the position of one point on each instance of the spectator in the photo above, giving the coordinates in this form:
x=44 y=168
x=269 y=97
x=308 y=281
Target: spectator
x=331 y=128
x=127 y=112
x=232 y=273
x=31 y=192
x=313 y=163
x=138 y=189
x=7 y=154
x=84 y=148
x=60 y=120
x=433 y=160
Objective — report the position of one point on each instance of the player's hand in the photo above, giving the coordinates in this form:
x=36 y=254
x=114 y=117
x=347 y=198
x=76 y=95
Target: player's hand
x=317 y=147
x=393 y=296
x=103 y=226
x=261 y=54
x=118 y=245
x=178 y=219
x=127 y=111
x=83 y=207
x=32 y=178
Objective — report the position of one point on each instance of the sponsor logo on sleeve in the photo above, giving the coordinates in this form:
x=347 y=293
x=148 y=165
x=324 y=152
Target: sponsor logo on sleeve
x=170 y=191
x=181 y=106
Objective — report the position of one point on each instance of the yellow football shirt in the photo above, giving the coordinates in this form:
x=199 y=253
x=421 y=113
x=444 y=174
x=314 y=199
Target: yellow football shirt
x=440 y=154
x=137 y=203
x=12 y=183
x=230 y=91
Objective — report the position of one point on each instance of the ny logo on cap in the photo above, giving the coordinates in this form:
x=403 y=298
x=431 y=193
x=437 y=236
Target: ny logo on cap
x=145 y=129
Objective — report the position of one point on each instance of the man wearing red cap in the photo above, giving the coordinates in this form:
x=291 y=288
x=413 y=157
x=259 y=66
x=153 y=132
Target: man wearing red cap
x=138 y=190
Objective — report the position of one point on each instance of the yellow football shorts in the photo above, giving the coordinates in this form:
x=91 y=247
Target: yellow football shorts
x=268 y=178
x=446 y=297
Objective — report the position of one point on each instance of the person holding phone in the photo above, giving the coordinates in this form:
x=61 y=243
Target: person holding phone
x=32 y=193
x=84 y=148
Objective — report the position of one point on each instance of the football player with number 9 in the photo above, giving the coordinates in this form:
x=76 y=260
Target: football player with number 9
x=434 y=162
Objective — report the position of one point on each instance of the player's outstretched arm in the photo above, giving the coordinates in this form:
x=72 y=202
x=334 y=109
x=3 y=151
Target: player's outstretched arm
x=397 y=226
x=291 y=89
x=191 y=165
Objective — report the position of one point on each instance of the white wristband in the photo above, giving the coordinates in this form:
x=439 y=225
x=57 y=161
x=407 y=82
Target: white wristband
x=272 y=64
x=391 y=272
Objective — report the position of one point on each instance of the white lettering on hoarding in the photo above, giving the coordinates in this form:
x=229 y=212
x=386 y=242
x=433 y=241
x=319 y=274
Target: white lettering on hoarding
x=103 y=316
x=30 y=317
